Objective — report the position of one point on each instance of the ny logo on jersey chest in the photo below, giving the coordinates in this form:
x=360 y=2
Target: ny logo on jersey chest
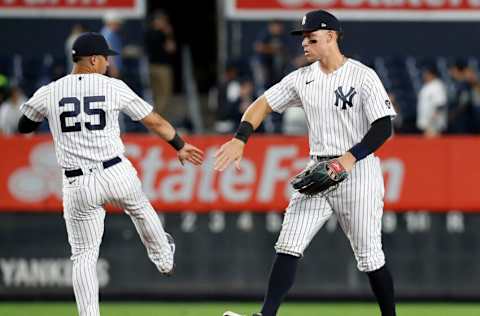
x=343 y=99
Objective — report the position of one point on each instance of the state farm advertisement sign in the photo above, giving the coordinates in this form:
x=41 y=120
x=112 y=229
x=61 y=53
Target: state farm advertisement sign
x=423 y=10
x=420 y=174
x=71 y=8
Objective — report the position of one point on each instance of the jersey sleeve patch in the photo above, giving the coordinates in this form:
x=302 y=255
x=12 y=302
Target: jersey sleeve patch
x=377 y=103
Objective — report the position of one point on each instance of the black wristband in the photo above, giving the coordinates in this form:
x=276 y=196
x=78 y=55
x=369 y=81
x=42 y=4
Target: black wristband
x=360 y=151
x=244 y=130
x=177 y=142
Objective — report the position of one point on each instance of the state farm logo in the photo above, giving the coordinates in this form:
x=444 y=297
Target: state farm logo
x=40 y=179
x=262 y=182
x=262 y=179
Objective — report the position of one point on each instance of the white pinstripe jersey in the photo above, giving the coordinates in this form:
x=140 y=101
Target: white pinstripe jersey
x=82 y=112
x=339 y=106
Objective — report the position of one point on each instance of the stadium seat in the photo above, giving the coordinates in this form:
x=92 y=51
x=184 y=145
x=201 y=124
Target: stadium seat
x=7 y=66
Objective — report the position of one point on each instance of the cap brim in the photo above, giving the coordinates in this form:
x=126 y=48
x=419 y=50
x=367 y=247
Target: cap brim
x=111 y=52
x=301 y=31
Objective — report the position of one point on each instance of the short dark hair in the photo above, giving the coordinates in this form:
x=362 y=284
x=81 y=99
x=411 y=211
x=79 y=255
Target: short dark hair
x=159 y=14
x=76 y=59
x=431 y=68
x=461 y=64
x=339 y=36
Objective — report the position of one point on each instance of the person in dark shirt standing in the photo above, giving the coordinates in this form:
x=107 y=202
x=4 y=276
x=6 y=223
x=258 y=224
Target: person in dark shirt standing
x=460 y=119
x=273 y=60
x=271 y=53
x=160 y=47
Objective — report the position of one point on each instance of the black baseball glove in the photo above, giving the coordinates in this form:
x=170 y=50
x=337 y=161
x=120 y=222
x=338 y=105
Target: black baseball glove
x=320 y=177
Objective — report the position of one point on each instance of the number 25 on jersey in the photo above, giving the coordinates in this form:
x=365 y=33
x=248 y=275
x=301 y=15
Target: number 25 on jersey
x=87 y=102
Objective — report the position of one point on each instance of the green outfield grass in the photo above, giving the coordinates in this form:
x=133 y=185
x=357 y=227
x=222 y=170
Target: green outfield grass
x=217 y=309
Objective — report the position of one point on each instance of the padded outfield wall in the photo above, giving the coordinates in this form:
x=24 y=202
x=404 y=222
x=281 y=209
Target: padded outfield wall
x=226 y=224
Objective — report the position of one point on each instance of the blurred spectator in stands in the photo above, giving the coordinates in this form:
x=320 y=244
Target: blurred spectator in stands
x=274 y=123
x=270 y=64
x=10 y=111
x=472 y=78
x=228 y=94
x=111 y=32
x=299 y=61
x=432 y=103
x=246 y=96
x=160 y=48
x=234 y=96
x=77 y=29
x=271 y=56
x=295 y=122
x=460 y=105
x=4 y=88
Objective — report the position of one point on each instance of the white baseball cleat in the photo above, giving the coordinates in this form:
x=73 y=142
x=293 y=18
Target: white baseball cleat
x=230 y=313
x=171 y=242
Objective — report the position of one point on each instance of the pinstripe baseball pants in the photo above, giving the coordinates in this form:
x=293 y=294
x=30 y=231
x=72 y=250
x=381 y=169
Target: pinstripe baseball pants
x=83 y=200
x=358 y=205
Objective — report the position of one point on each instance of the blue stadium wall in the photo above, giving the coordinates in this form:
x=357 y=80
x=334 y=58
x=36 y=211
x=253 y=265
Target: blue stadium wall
x=229 y=255
x=31 y=37
x=37 y=36
x=426 y=39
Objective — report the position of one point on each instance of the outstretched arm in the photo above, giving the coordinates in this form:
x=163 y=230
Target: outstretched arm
x=165 y=130
x=159 y=126
x=257 y=111
x=233 y=149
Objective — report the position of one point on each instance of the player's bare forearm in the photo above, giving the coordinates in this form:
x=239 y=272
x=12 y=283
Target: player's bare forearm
x=257 y=112
x=158 y=125
x=165 y=130
x=347 y=160
x=233 y=149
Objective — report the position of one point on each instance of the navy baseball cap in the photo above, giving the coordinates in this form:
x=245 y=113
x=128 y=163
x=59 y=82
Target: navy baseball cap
x=89 y=44
x=318 y=20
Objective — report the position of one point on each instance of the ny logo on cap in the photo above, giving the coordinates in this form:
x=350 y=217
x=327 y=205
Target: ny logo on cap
x=324 y=25
x=304 y=19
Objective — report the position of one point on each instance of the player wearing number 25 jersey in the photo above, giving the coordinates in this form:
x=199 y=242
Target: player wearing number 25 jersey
x=82 y=111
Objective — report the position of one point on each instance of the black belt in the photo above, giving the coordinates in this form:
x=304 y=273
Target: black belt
x=106 y=164
x=322 y=158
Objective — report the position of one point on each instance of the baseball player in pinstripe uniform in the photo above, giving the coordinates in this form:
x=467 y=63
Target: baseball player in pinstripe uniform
x=82 y=111
x=349 y=117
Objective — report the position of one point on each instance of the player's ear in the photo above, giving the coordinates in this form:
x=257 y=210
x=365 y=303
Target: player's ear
x=331 y=36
